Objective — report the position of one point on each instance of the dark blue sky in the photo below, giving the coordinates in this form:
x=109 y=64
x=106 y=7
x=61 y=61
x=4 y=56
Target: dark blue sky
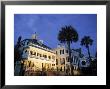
x=47 y=27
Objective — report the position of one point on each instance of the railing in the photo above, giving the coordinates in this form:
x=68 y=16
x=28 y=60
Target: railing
x=41 y=58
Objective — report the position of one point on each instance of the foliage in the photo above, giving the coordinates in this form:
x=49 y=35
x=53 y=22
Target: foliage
x=86 y=41
x=68 y=34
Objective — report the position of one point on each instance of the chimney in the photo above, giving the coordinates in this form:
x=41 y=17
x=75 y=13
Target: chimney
x=34 y=36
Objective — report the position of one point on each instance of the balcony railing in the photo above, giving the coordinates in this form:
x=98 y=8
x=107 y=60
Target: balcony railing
x=42 y=58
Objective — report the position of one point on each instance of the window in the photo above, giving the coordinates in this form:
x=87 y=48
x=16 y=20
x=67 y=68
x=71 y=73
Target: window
x=40 y=55
x=75 y=59
x=31 y=52
x=64 y=68
x=53 y=57
x=63 y=51
x=37 y=54
x=53 y=64
x=49 y=57
x=27 y=43
x=42 y=65
x=83 y=63
x=34 y=53
x=67 y=59
x=25 y=51
x=56 y=52
x=66 y=51
x=60 y=51
x=29 y=63
x=61 y=69
x=45 y=56
x=62 y=61
x=56 y=61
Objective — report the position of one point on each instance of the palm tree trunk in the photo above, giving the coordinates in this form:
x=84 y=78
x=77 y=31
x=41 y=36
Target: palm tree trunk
x=89 y=54
x=70 y=59
x=90 y=66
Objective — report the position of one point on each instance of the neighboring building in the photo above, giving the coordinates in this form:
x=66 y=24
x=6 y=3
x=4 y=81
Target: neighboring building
x=85 y=62
x=62 y=58
x=35 y=56
x=76 y=55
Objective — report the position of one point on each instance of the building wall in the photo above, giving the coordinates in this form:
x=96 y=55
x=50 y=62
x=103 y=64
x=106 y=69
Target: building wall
x=62 y=63
x=36 y=58
x=76 y=59
x=41 y=58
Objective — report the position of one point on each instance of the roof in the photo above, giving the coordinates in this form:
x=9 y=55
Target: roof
x=36 y=42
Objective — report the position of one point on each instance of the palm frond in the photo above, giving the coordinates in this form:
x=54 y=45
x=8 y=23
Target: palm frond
x=68 y=33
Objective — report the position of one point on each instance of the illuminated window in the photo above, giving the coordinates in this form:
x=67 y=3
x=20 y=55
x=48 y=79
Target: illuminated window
x=62 y=61
x=53 y=57
x=45 y=56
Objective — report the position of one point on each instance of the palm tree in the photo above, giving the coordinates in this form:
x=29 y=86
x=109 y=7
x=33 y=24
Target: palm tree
x=68 y=35
x=87 y=41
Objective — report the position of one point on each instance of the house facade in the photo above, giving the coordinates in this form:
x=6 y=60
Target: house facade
x=62 y=59
x=36 y=56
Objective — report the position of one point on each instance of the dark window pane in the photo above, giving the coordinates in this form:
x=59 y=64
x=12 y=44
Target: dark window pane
x=83 y=62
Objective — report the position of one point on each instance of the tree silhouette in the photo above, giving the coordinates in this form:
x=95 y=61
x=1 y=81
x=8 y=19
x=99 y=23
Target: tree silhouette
x=17 y=53
x=68 y=35
x=87 y=41
x=16 y=49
